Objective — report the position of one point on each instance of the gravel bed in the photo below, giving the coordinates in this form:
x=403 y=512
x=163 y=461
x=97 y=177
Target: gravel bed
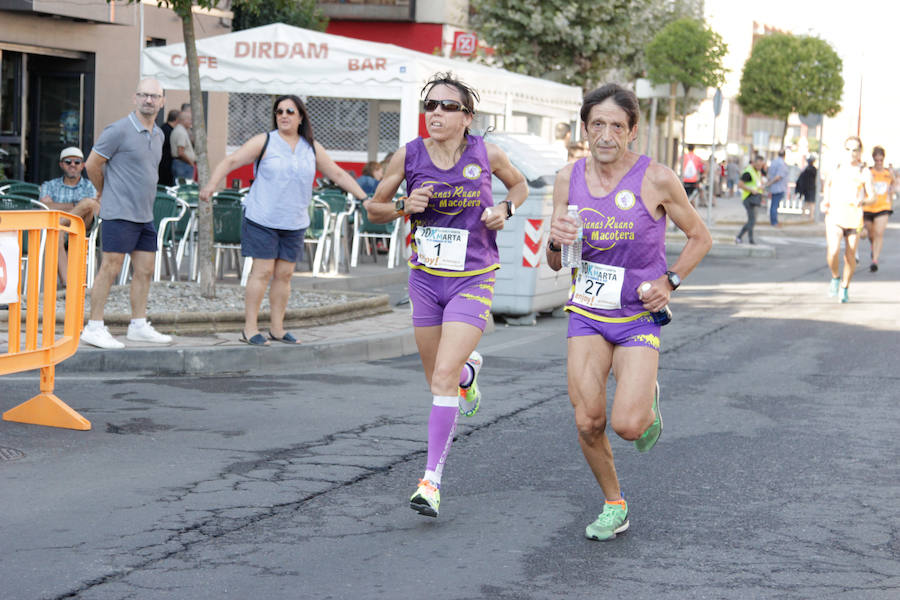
x=178 y=296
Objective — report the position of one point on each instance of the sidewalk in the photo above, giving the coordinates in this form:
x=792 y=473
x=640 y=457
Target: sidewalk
x=727 y=218
x=381 y=336
x=370 y=338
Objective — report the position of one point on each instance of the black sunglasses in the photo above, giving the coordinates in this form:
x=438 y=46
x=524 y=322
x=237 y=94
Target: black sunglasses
x=71 y=161
x=281 y=111
x=447 y=105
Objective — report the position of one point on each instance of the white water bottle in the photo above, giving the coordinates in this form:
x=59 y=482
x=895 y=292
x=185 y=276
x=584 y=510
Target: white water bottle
x=571 y=254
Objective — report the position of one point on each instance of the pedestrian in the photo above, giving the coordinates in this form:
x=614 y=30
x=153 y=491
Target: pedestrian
x=372 y=173
x=72 y=193
x=806 y=185
x=692 y=170
x=562 y=139
x=847 y=188
x=454 y=223
x=777 y=185
x=165 y=164
x=876 y=214
x=622 y=278
x=124 y=168
x=276 y=212
x=184 y=159
x=732 y=172
x=752 y=190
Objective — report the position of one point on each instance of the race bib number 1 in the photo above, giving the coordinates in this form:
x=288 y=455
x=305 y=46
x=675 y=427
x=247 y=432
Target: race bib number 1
x=598 y=286
x=442 y=247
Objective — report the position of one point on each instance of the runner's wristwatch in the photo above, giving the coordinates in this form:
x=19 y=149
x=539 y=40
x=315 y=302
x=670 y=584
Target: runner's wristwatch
x=552 y=247
x=400 y=204
x=674 y=279
x=510 y=209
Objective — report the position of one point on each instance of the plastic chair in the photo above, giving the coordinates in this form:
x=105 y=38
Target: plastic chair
x=228 y=196
x=365 y=230
x=318 y=232
x=21 y=188
x=227 y=218
x=342 y=206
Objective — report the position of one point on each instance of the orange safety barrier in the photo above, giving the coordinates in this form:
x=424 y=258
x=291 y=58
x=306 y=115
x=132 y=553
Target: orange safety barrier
x=45 y=408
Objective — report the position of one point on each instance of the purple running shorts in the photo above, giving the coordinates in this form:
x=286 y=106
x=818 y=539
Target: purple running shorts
x=436 y=300
x=640 y=332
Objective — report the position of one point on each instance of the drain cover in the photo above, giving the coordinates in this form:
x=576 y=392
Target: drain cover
x=10 y=453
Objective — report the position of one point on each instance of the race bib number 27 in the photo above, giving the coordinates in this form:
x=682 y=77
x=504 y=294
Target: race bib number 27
x=598 y=286
x=442 y=247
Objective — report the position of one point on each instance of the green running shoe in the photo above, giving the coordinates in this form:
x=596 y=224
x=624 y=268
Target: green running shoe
x=845 y=295
x=470 y=397
x=427 y=499
x=833 y=288
x=613 y=520
x=650 y=437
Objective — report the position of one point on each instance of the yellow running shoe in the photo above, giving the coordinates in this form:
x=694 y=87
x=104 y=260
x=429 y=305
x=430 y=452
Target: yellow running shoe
x=427 y=499
x=470 y=397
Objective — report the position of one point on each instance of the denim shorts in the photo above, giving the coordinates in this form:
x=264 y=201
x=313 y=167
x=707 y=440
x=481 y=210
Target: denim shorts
x=124 y=237
x=436 y=300
x=259 y=241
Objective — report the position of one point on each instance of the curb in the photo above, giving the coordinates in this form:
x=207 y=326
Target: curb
x=222 y=360
x=213 y=322
x=726 y=250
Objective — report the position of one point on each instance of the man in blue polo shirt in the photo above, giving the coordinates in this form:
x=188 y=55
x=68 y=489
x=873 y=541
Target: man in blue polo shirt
x=123 y=166
x=73 y=194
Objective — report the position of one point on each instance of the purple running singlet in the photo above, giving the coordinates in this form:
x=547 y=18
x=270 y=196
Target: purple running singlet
x=449 y=239
x=623 y=246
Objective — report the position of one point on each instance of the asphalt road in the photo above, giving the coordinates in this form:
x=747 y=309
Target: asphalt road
x=776 y=476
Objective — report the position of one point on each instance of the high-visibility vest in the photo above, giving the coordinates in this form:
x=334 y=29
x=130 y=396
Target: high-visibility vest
x=755 y=181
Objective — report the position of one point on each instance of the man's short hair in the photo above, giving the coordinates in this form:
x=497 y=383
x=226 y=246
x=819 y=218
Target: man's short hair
x=623 y=97
x=173 y=115
x=759 y=157
x=690 y=147
x=186 y=106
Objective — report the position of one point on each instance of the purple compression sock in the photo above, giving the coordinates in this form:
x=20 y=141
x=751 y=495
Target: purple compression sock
x=441 y=427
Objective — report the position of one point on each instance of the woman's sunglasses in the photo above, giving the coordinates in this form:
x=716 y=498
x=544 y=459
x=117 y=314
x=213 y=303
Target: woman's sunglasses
x=281 y=111
x=447 y=105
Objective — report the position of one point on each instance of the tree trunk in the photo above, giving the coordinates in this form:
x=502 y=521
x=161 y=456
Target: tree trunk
x=204 y=209
x=784 y=132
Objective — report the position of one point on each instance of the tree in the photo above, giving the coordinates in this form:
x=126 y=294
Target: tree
x=184 y=10
x=790 y=74
x=686 y=51
x=577 y=43
x=299 y=13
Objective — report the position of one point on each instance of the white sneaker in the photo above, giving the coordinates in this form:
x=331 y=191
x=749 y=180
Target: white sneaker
x=146 y=333
x=100 y=337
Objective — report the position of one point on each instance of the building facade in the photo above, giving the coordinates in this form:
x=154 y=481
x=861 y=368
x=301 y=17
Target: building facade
x=67 y=69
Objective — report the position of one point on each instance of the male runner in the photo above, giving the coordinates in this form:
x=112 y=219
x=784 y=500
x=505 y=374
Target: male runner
x=848 y=187
x=623 y=199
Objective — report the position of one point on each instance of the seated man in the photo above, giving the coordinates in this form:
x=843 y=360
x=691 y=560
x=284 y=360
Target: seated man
x=73 y=194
